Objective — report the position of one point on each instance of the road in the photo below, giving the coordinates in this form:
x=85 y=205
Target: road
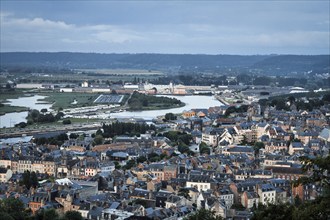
x=8 y=133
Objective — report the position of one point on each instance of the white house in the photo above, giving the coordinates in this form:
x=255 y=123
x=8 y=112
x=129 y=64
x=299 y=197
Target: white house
x=266 y=193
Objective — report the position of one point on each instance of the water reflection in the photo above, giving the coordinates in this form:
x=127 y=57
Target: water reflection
x=10 y=119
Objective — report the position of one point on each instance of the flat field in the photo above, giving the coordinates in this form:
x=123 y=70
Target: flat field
x=67 y=100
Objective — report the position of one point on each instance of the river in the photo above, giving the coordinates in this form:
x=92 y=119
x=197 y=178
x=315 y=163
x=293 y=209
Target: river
x=10 y=119
x=192 y=102
x=197 y=101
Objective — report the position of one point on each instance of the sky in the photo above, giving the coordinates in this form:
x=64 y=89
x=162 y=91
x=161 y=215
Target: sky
x=176 y=27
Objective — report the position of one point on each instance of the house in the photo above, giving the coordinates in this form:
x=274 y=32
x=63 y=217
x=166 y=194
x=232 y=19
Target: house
x=325 y=135
x=211 y=136
x=176 y=201
x=257 y=174
x=227 y=196
x=5 y=174
x=230 y=136
x=266 y=193
x=236 y=150
x=161 y=198
x=296 y=147
x=95 y=213
x=202 y=198
x=239 y=188
x=286 y=172
x=276 y=146
x=188 y=114
x=249 y=199
x=217 y=206
x=38 y=199
x=107 y=167
x=281 y=195
x=200 y=182
x=306 y=136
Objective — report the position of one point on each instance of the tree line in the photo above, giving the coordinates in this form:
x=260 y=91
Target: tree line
x=122 y=128
x=140 y=101
x=306 y=101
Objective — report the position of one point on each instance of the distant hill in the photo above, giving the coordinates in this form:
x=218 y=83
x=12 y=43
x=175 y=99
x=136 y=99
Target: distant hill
x=294 y=63
x=279 y=64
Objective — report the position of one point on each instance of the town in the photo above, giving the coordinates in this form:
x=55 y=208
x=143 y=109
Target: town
x=229 y=159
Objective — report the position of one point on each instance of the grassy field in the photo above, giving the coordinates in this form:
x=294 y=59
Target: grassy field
x=5 y=108
x=8 y=109
x=65 y=100
x=14 y=94
x=58 y=99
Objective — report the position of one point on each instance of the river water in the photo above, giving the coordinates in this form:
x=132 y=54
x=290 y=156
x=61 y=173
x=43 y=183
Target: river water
x=197 y=101
x=10 y=119
x=192 y=102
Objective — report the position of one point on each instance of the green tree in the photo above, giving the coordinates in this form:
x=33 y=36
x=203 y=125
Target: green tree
x=203 y=214
x=319 y=167
x=141 y=159
x=204 y=148
x=34 y=180
x=257 y=146
x=73 y=215
x=73 y=136
x=98 y=140
x=170 y=116
x=273 y=212
x=21 y=125
x=183 y=148
x=27 y=179
x=12 y=207
x=48 y=214
x=66 y=121
x=59 y=115
x=5 y=216
x=319 y=208
x=129 y=164
x=326 y=97
x=44 y=110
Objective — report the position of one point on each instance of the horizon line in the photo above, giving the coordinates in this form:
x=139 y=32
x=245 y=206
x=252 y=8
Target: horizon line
x=159 y=53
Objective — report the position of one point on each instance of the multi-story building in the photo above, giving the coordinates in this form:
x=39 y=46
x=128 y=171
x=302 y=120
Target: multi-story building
x=37 y=166
x=266 y=193
x=5 y=163
x=50 y=167
x=227 y=196
x=211 y=136
x=170 y=172
x=24 y=164
x=200 y=182
x=276 y=145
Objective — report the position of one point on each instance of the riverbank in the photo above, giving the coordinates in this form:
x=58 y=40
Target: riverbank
x=11 y=109
x=5 y=102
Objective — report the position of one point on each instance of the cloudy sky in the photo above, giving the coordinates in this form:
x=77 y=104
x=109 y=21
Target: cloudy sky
x=198 y=27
